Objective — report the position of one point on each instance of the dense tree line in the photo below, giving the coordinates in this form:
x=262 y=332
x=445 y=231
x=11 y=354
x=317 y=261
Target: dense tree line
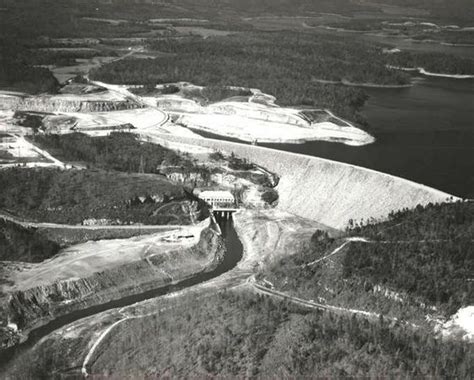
x=423 y=256
x=117 y=151
x=26 y=20
x=426 y=252
x=437 y=273
x=17 y=73
x=396 y=27
x=72 y=196
x=18 y=243
x=433 y=62
x=284 y=64
x=206 y=95
x=434 y=221
x=448 y=36
x=241 y=335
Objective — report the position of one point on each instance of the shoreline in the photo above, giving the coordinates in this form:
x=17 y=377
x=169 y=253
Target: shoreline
x=423 y=71
x=347 y=140
x=364 y=85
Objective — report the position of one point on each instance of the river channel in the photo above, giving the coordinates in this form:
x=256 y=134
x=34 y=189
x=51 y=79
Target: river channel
x=234 y=252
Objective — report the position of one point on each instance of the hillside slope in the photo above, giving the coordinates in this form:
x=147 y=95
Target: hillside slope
x=416 y=267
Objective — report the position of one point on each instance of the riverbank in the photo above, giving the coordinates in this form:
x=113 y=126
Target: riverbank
x=422 y=71
x=92 y=273
x=362 y=85
x=266 y=236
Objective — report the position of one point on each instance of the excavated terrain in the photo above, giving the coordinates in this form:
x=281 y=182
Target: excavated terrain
x=83 y=276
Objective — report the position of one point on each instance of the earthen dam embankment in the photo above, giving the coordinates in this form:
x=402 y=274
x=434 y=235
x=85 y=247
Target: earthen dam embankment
x=326 y=191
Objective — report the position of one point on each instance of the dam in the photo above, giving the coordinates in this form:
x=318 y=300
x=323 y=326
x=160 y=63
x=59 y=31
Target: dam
x=326 y=191
x=222 y=203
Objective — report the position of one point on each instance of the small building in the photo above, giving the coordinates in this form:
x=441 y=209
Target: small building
x=218 y=199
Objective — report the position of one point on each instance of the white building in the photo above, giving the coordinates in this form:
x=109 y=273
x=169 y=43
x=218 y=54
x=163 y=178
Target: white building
x=218 y=198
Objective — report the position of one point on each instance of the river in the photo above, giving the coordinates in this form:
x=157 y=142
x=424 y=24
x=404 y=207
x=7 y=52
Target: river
x=424 y=133
x=234 y=252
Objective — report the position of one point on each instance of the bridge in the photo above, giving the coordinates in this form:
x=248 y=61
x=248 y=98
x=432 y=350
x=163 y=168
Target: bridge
x=224 y=212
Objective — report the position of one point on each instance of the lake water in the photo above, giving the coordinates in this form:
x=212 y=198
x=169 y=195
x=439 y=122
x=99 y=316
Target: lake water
x=422 y=46
x=424 y=133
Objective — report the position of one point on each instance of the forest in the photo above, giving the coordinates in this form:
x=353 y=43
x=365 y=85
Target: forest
x=422 y=256
x=288 y=65
x=18 y=243
x=118 y=151
x=241 y=335
x=445 y=221
x=436 y=272
x=72 y=196
x=432 y=62
x=18 y=74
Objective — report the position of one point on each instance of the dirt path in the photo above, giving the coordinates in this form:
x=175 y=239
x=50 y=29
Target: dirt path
x=338 y=249
x=27 y=224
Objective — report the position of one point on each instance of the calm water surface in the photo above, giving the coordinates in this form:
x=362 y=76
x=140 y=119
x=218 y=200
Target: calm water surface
x=424 y=133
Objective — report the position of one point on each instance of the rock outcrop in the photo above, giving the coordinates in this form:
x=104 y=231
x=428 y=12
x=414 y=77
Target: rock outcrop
x=33 y=307
x=64 y=104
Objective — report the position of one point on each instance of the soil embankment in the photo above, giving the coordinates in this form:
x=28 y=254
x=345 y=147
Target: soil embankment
x=326 y=191
x=270 y=235
x=73 y=280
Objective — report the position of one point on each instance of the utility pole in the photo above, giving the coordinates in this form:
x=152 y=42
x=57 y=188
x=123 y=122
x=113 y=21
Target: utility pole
x=141 y=168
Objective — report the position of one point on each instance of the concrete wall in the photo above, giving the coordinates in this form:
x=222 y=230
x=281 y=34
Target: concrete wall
x=327 y=191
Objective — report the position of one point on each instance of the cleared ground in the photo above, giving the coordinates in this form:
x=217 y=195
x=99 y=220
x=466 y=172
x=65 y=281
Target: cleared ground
x=258 y=119
x=81 y=261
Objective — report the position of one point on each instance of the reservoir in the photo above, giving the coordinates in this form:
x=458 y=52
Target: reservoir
x=424 y=133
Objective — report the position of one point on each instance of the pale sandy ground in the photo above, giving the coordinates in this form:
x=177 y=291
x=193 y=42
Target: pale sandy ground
x=460 y=324
x=255 y=122
x=268 y=235
x=140 y=118
x=19 y=148
x=249 y=121
x=83 y=260
x=260 y=131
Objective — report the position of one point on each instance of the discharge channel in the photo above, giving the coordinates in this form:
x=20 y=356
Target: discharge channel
x=234 y=252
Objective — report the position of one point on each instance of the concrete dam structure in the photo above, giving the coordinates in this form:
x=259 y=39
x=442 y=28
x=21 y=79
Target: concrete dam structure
x=326 y=191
